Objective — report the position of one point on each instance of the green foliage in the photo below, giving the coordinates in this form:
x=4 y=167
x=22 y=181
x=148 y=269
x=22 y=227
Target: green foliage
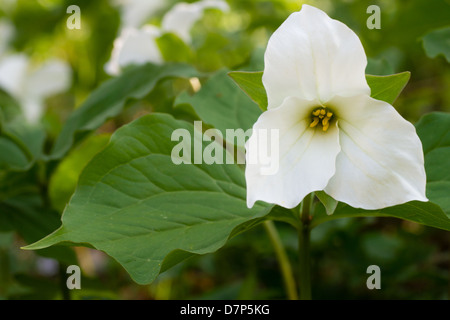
x=437 y=43
x=425 y=213
x=434 y=131
x=64 y=179
x=109 y=99
x=385 y=88
x=135 y=197
x=251 y=83
x=125 y=197
x=221 y=104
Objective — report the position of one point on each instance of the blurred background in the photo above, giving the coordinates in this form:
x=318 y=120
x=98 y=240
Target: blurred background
x=35 y=40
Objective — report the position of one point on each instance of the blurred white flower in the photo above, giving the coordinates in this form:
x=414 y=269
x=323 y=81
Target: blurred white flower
x=134 y=46
x=138 y=45
x=134 y=13
x=180 y=19
x=333 y=135
x=31 y=86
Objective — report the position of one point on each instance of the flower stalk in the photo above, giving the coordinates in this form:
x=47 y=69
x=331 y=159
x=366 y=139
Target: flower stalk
x=285 y=266
x=304 y=248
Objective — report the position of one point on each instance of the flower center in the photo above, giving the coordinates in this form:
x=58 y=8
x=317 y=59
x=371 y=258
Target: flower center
x=322 y=116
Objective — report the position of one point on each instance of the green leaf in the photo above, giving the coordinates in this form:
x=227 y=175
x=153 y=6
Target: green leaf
x=25 y=215
x=135 y=204
x=12 y=156
x=251 y=84
x=64 y=180
x=21 y=143
x=329 y=203
x=385 y=88
x=109 y=99
x=221 y=104
x=434 y=132
x=426 y=213
x=437 y=42
x=173 y=49
x=21 y=146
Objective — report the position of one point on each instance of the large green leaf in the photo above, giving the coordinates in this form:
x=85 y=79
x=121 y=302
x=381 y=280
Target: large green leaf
x=109 y=99
x=221 y=104
x=437 y=42
x=64 y=179
x=135 y=204
x=434 y=132
x=426 y=213
x=385 y=88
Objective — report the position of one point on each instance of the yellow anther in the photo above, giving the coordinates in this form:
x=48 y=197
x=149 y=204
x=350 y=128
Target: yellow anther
x=321 y=116
x=315 y=122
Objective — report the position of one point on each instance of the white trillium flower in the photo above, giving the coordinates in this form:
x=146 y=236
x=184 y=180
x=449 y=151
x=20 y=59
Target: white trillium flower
x=138 y=45
x=134 y=13
x=31 y=86
x=134 y=46
x=332 y=135
x=181 y=18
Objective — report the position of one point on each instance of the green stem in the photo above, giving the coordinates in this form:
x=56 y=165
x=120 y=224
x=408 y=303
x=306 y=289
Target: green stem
x=65 y=292
x=285 y=266
x=304 y=248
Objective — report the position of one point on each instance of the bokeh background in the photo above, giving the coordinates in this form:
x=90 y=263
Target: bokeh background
x=414 y=259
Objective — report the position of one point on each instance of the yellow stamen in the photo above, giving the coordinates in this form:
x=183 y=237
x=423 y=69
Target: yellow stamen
x=321 y=116
x=315 y=122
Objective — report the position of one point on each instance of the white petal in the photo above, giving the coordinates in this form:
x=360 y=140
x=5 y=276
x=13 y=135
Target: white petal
x=180 y=19
x=136 y=12
x=381 y=163
x=134 y=46
x=306 y=159
x=53 y=77
x=312 y=56
x=13 y=70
